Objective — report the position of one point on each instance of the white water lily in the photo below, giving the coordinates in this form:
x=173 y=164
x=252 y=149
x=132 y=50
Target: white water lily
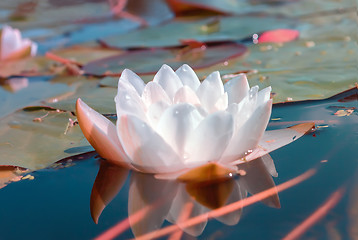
x=175 y=123
x=13 y=46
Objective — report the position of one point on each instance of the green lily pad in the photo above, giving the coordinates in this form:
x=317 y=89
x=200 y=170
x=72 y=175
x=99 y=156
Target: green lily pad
x=99 y=98
x=149 y=61
x=300 y=71
x=286 y=8
x=32 y=94
x=36 y=139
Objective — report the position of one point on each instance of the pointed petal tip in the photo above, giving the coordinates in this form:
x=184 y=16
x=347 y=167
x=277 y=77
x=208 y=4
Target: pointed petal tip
x=95 y=219
x=126 y=72
x=303 y=127
x=165 y=67
x=185 y=67
x=79 y=106
x=215 y=74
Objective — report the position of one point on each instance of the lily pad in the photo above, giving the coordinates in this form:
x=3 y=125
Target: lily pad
x=101 y=98
x=83 y=54
x=36 y=139
x=148 y=61
x=298 y=71
x=31 y=66
x=32 y=94
x=171 y=34
x=287 y=8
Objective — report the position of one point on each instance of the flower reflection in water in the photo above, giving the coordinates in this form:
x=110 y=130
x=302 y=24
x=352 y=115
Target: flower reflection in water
x=151 y=201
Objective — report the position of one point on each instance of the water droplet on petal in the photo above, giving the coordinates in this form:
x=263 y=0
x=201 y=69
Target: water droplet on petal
x=186 y=156
x=253 y=91
x=248 y=152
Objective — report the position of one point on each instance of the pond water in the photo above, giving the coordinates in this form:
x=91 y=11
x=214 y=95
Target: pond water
x=316 y=195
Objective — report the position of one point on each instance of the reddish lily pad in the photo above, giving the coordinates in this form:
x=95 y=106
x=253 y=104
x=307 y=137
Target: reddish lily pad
x=148 y=61
x=83 y=54
x=31 y=66
x=207 y=30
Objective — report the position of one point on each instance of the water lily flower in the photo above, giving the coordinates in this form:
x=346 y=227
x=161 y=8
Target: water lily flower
x=13 y=46
x=176 y=123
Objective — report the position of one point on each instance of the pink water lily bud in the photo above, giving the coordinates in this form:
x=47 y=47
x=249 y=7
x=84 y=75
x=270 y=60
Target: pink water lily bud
x=13 y=46
x=176 y=123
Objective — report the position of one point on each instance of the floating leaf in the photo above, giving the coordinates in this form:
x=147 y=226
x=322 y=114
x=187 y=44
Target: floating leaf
x=343 y=113
x=31 y=66
x=297 y=72
x=31 y=95
x=150 y=60
x=29 y=143
x=84 y=54
x=100 y=98
x=170 y=34
x=10 y=174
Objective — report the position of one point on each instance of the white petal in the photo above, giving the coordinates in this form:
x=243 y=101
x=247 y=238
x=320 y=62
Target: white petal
x=133 y=79
x=10 y=41
x=33 y=49
x=129 y=103
x=232 y=109
x=146 y=148
x=188 y=77
x=153 y=93
x=183 y=204
x=244 y=109
x=210 y=91
x=222 y=103
x=125 y=85
x=209 y=140
x=275 y=139
x=247 y=106
x=101 y=134
x=155 y=112
x=168 y=79
x=237 y=88
x=263 y=96
x=248 y=136
x=176 y=124
x=145 y=192
x=186 y=95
